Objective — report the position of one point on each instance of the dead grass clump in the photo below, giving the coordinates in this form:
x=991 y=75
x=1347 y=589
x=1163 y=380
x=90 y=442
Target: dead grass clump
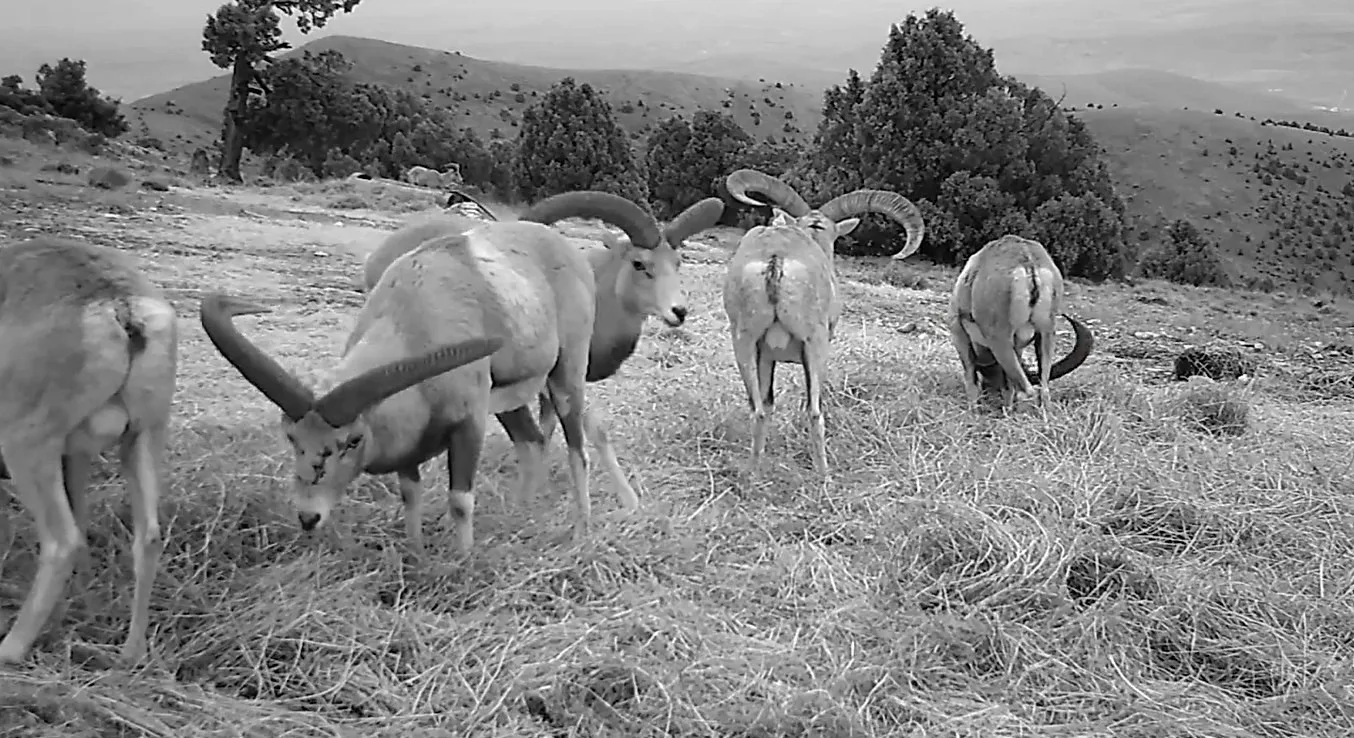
x=61 y=167
x=1153 y=522
x=594 y=699
x=1100 y=574
x=1323 y=384
x=1215 y=409
x=48 y=703
x=959 y=557
x=1214 y=646
x=351 y=201
x=349 y=194
x=1217 y=364
x=108 y=178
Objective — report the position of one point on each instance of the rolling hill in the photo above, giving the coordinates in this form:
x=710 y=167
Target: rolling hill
x=1135 y=88
x=488 y=95
x=1278 y=201
x=1170 y=154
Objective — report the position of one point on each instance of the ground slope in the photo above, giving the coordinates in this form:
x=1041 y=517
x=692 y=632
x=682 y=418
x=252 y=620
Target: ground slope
x=1276 y=199
x=1146 y=560
x=488 y=95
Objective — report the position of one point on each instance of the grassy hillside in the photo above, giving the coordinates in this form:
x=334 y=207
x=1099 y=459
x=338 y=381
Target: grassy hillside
x=488 y=95
x=1286 y=221
x=1156 y=88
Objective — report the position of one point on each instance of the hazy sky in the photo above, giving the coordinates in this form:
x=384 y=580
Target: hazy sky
x=137 y=47
x=130 y=32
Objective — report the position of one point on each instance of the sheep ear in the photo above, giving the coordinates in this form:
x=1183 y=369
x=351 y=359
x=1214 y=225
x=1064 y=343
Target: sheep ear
x=780 y=217
x=846 y=226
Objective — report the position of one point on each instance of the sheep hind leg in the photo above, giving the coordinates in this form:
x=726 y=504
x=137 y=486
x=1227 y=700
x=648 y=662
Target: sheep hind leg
x=38 y=478
x=596 y=425
x=963 y=345
x=747 y=356
x=597 y=428
x=529 y=442
x=1017 y=384
x=143 y=465
x=1043 y=355
x=567 y=396
x=815 y=366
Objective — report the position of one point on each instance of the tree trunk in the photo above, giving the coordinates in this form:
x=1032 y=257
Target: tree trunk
x=233 y=121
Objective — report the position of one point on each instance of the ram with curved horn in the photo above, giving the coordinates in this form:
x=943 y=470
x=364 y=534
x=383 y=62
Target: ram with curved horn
x=635 y=279
x=780 y=292
x=1005 y=299
x=466 y=325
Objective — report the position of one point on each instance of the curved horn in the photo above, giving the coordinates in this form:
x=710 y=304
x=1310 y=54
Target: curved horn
x=457 y=196
x=699 y=217
x=259 y=369
x=1080 y=350
x=743 y=181
x=613 y=209
x=899 y=208
x=342 y=404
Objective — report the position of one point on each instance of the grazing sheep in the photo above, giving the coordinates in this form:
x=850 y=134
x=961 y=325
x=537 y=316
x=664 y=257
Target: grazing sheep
x=1005 y=298
x=464 y=326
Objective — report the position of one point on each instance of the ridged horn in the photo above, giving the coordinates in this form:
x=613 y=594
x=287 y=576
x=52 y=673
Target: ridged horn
x=341 y=405
x=613 y=209
x=699 y=217
x=899 y=208
x=1075 y=358
x=216 y=312
x=743 y=181
x=457 y=197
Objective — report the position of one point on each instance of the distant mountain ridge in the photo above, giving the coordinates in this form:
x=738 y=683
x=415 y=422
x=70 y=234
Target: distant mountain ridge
x=488 y=95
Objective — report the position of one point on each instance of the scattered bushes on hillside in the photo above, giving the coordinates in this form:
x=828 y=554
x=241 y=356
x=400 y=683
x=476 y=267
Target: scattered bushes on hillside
x=1187 y=258
x=63 y=92
x=571 y=141
x=1307 y=126
x=20 y=99
x=981 y=154
x=314 y=113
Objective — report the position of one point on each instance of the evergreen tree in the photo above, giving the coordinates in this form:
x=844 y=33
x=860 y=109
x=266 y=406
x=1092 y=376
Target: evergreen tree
x=685 y=162
x=241 y=36
x=979 y=153
x=570 y=141
x=67 y=94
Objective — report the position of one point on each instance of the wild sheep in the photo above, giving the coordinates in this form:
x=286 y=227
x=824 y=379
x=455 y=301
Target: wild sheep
x=780 y=291
x=451 y=177
x=465 y=325
x=634 y=280
x=423 y=177
x=1004 y=299
x=88 y=353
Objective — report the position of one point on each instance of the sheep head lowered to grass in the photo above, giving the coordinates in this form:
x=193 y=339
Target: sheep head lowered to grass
x=1004 y=299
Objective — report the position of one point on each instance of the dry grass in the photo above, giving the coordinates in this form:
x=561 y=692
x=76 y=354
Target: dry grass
x=1111 y=570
